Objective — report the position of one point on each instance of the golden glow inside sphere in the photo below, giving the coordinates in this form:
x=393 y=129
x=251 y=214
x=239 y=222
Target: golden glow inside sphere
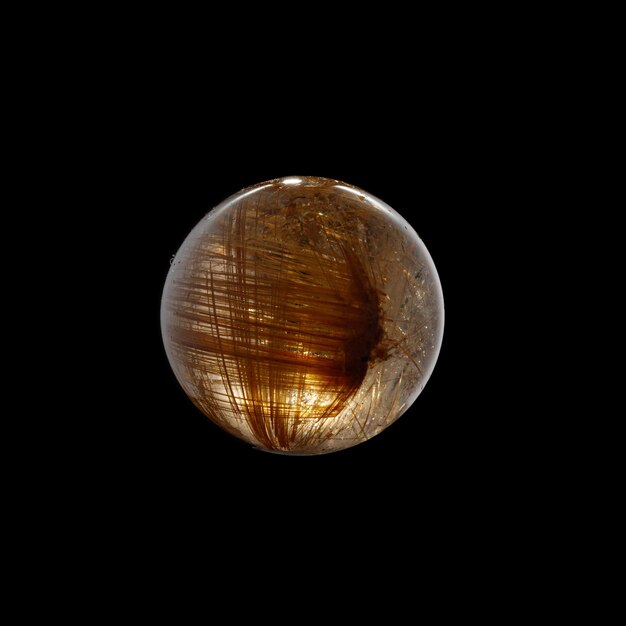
x=302 y=315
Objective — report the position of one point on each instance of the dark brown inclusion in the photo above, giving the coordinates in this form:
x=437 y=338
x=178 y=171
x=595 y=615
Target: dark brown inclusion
x=273 y=310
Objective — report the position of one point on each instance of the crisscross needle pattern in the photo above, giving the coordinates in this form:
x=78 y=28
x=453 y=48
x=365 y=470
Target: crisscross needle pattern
x=302 y=315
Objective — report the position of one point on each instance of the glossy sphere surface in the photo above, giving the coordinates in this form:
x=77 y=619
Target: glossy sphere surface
x=302 y=315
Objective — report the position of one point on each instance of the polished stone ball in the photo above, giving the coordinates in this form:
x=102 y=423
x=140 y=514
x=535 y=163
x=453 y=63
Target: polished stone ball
x=302 y=315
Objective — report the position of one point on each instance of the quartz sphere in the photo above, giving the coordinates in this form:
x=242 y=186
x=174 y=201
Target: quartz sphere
x=302 y=315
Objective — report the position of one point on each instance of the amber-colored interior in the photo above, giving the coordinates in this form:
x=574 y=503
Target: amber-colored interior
x=274 y=314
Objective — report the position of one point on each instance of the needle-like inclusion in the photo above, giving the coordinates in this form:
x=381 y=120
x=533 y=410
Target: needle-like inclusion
x=302 y=315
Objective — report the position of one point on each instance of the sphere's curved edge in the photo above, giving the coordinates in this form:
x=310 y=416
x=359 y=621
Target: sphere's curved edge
x=309 y=181
x=436 y=291
x=441 y=320
x=309 y=454
x=286 y=453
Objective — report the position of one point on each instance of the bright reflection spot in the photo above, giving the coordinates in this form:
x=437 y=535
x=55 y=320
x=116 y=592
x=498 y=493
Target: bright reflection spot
x=374 y=201
x=354 y=192
x=239 y=196
x=291 y=181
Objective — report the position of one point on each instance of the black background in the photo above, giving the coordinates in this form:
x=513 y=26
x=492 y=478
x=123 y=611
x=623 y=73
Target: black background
x=177 y=149
x=438 y=119
x=447 y=444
